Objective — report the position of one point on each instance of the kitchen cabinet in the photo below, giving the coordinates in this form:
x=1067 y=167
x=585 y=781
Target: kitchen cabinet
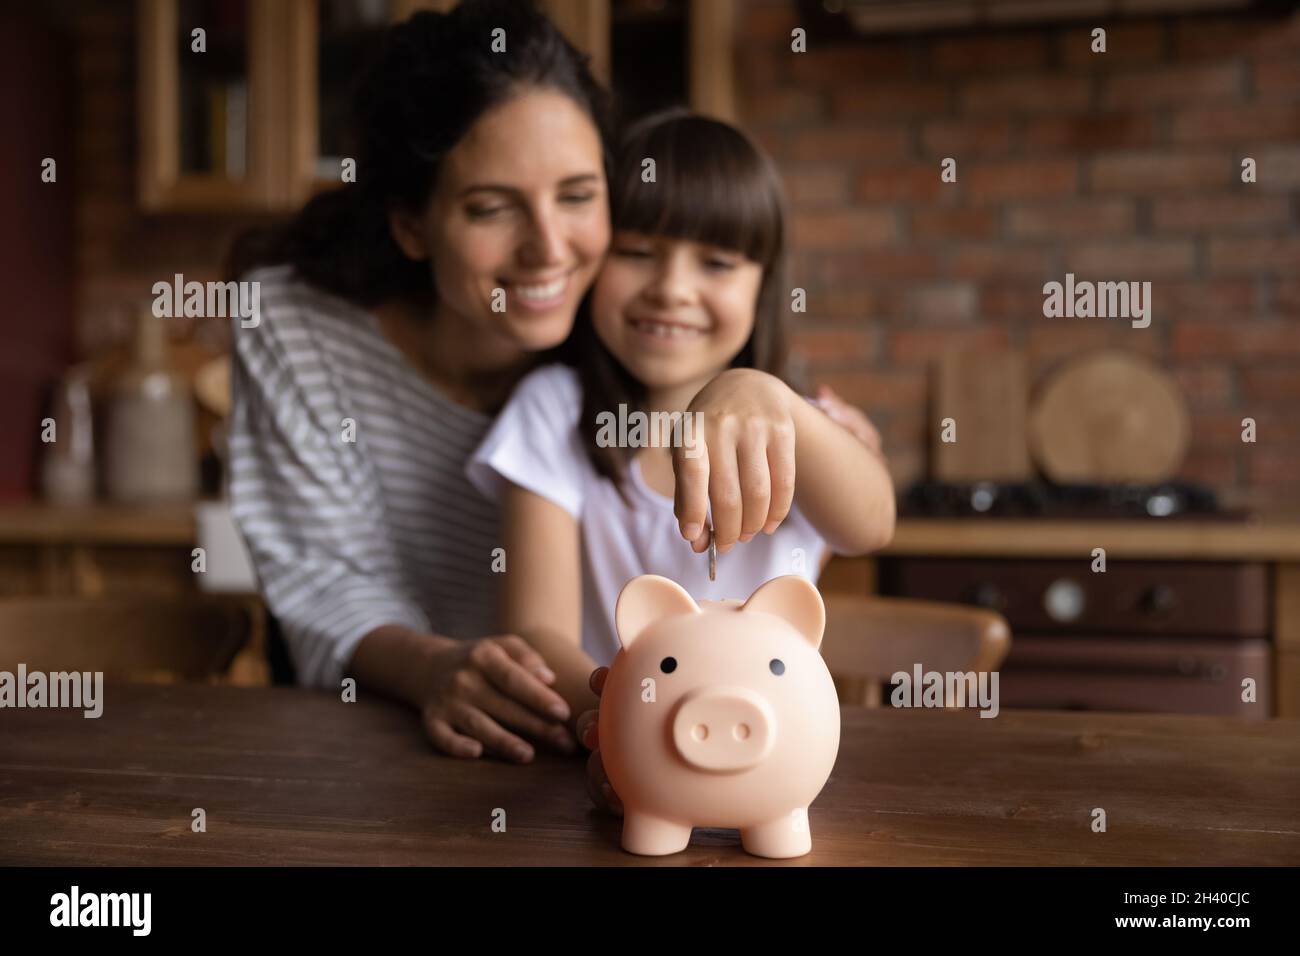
x=253 y=115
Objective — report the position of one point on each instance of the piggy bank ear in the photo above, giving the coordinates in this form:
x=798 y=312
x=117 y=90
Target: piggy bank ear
x=795 y=599
x=647 y=599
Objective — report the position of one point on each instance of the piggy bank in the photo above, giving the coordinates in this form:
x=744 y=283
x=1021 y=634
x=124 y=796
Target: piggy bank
x=718 y=714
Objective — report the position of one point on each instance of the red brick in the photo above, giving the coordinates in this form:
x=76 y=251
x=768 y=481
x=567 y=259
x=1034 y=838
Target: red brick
x=1135 y=259
x=1247 y=255
x=1219 y=213
x=1090 y=133
x=947 y=302
x=857 y=305
x=1019 y=179
x=1173 y=85
x=966 y=137
x=987 y=260
x=1072 y=220
x=1273 y=466
x=834 y=345
x=1280 y=78
x=836 y=66
x=813 y=186
x=879 y=390
x=1250 y=339
x=765 y=23
x=1051 y=341
x=1226 y=36
x=1213 y=430
x=1217 y=469
x=953 y=222
x=1126 y=43
x=845 y=229
x=1034 y=94
x=1011 y=300
x=1159 y=171
x=1270 y=384
x=987 y=54
x=1286 y=297
x=1276 y=167
x=876 y=265
x=1204 y=386
x=1252 y=123
x=781 y=106
x=878 y=100
x=1208 y=299
x=858 y=144
x=915 y=181
x=909 y=346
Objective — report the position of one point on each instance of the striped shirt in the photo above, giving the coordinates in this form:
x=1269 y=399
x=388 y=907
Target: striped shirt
x=347 y=479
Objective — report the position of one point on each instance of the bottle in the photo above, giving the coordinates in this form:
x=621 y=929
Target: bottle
x=68 y=469
x=150 y=454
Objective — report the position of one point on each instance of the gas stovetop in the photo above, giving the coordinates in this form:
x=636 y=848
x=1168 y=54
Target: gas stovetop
x=990 y=499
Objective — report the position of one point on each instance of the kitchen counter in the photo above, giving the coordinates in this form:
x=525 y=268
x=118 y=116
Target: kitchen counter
x=1261 y=538
x=103 y=549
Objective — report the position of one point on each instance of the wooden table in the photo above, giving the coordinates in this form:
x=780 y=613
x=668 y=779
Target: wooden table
x=291 y=776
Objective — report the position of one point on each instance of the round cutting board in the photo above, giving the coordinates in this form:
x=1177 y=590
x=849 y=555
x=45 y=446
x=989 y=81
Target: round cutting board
x=1109 y=417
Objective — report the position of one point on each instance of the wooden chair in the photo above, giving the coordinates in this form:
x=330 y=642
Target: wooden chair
x=140 y=639
x=868 y=639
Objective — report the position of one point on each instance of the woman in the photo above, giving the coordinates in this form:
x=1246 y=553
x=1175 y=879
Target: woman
x=398 y=315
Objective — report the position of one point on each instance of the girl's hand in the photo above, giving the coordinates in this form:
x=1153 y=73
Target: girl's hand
x=472 y=691
x=598 y=786
x=741 y=462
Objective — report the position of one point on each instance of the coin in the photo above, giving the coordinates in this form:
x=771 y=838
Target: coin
x=713 y=557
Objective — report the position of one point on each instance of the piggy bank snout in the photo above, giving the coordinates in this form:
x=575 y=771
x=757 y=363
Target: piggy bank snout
x=724 y=729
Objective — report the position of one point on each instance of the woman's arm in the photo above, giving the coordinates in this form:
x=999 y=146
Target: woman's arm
x=758 y=436
x=542 y=597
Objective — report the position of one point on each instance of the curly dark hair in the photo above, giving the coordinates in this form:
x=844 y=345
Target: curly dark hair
x=436 y=75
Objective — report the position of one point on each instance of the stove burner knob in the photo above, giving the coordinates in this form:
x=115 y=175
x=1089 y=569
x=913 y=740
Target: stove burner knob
x=1064 y=601
x=989 y=595
x=1159 y=601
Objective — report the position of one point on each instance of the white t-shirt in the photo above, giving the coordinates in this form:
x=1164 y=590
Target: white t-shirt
x=535 y=443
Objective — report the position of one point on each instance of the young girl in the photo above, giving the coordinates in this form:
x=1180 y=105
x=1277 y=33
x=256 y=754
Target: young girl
x=684 y=317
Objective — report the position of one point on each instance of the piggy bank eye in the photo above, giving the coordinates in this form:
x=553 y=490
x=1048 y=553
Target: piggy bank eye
x=777 y=666
x=668 y=665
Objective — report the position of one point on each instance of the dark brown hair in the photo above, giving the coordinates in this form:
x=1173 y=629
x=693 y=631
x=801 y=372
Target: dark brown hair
x=436 y=75
x=712 y=185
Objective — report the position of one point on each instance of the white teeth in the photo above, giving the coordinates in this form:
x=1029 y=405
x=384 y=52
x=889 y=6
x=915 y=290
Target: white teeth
x=664 y=330
x=540 y=293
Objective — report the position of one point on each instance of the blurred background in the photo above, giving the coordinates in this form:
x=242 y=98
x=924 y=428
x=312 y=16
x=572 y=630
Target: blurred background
x=924 y=299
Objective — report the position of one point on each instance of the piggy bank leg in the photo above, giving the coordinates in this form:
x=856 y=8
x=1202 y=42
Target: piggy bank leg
x=781 y=838
x=651 y=836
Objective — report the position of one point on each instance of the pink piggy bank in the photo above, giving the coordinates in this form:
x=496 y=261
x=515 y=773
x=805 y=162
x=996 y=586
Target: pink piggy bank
x=718 y=714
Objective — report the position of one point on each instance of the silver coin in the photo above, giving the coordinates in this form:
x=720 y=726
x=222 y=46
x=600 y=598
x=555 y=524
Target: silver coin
x=713 y=557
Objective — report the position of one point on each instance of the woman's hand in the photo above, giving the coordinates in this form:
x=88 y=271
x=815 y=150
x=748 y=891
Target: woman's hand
x=849 y=417
x=472 y=691
x=598 y=786
x=742 y=465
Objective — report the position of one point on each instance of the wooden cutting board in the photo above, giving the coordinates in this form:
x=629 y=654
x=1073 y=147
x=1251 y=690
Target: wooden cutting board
x=985 y=394
x=1109 y=417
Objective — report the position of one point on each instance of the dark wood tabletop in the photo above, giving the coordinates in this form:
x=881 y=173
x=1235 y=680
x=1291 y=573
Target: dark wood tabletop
x=290 y=776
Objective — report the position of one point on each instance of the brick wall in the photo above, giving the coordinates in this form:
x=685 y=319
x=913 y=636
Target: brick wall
x=1123 y=165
